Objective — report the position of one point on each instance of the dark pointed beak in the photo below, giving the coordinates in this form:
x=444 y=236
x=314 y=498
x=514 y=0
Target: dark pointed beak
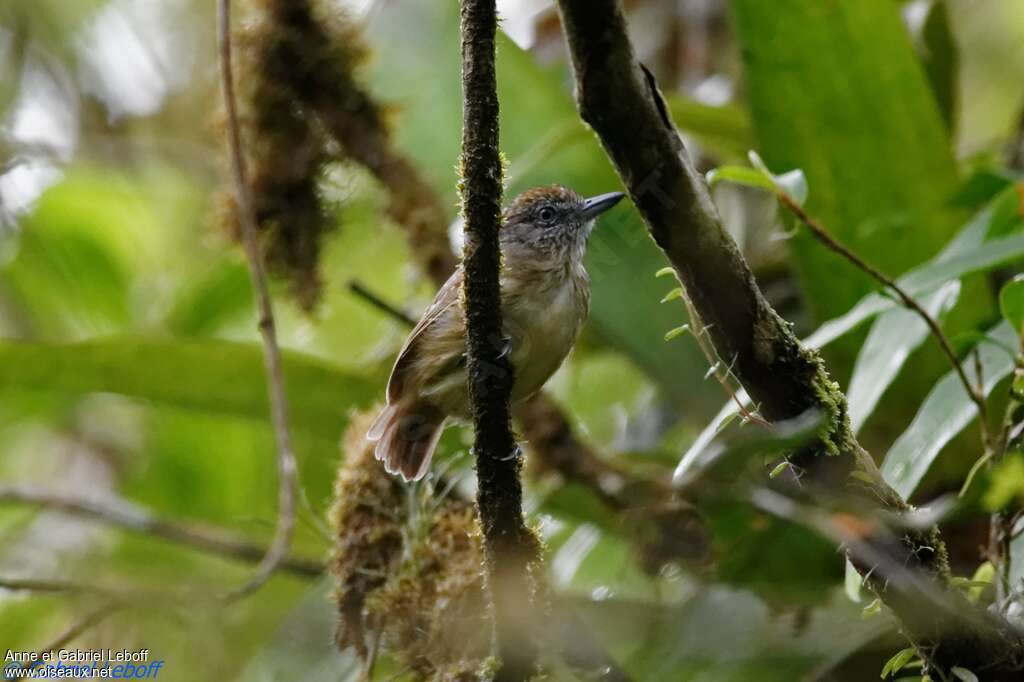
x=595 y=206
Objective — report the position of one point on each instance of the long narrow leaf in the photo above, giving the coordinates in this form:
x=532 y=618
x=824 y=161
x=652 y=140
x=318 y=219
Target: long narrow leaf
x=220 y=377
x=965 y=253
x=894 y=336
x=946 y=412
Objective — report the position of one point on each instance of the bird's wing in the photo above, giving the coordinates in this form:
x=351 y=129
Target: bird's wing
x=447 y=296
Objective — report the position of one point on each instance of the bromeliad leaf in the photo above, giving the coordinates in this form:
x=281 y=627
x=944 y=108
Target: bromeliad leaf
x=1001 y=217
x=219 y=377
x=1011 y=302
x=964 y=255
x=946 y=412
x=894 y=336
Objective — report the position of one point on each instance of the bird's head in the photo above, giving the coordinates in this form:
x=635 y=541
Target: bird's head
x=553 y=221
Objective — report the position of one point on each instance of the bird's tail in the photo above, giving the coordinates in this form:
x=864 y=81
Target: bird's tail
x=406 y=435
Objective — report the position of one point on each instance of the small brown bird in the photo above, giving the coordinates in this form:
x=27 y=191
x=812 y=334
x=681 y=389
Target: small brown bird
x=545 y=298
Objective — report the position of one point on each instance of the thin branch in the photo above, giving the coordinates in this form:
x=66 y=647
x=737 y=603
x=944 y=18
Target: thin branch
x=79 y=627
x=124 y=514
x=287 y=477
x=47 y=585
x=711 y=355
x=360 y=290
x=830 y=242
x=510 y=548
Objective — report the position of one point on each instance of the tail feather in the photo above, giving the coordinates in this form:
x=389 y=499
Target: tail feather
x=406 y=436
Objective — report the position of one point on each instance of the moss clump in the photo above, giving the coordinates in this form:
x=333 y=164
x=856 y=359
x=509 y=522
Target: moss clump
x=368 y=517
x=434 y=607
x=281 y=49
x=408 y=568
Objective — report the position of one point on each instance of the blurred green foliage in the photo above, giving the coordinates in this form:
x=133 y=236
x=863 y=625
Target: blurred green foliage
x=131 y=367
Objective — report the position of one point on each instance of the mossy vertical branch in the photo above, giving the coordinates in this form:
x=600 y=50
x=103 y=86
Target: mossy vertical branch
x=510 y=548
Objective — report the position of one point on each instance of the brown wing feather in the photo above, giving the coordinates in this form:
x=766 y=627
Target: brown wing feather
x=446 y=297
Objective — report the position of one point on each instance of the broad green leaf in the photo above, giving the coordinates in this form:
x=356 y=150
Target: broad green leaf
x=1001 y=217
x=940 y=57
x=961 y=257
x=722 y=634
x=945 y=412
x=919 y=282
x=216 y=298
x=1011 y=302
x=893 y=337
x=546 y=143
x=836 y=90
x=723 y=130
x=217 y=377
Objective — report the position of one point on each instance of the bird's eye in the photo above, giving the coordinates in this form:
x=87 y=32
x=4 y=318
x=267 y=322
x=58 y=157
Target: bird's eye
x=546 y=215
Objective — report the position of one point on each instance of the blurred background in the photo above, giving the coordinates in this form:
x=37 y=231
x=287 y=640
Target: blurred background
x=129 y=359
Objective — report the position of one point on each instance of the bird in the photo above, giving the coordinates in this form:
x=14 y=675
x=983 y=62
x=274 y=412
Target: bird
x=545 y=299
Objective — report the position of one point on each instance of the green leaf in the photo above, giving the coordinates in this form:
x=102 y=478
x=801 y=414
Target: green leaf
x=678 y=331
x=941 y=60
x=893 y=337
x=1000 y=217
x=218 y=377
x=793 y=183
x=665 y=271
x=961 y=257
x=740 y=175
x=672 y=295
x=1007 y=482
x=1011 y=302
x=724 y=130
x=896 y=663
x=945 y=412
x=836 y=90
x=728 y=635
x=214 y=299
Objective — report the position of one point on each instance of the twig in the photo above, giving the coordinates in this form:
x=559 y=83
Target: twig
x=80 y=626
x=124 y=514
x=823 y=236
x=47 y=585
x=711 y=355
x=509 y=547
x=287 y=479
x=357 y=288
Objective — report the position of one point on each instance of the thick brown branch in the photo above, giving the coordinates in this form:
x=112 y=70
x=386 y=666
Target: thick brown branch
x=129 y=516
x=287 y=478
x=622 y=105
x=510 y=548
